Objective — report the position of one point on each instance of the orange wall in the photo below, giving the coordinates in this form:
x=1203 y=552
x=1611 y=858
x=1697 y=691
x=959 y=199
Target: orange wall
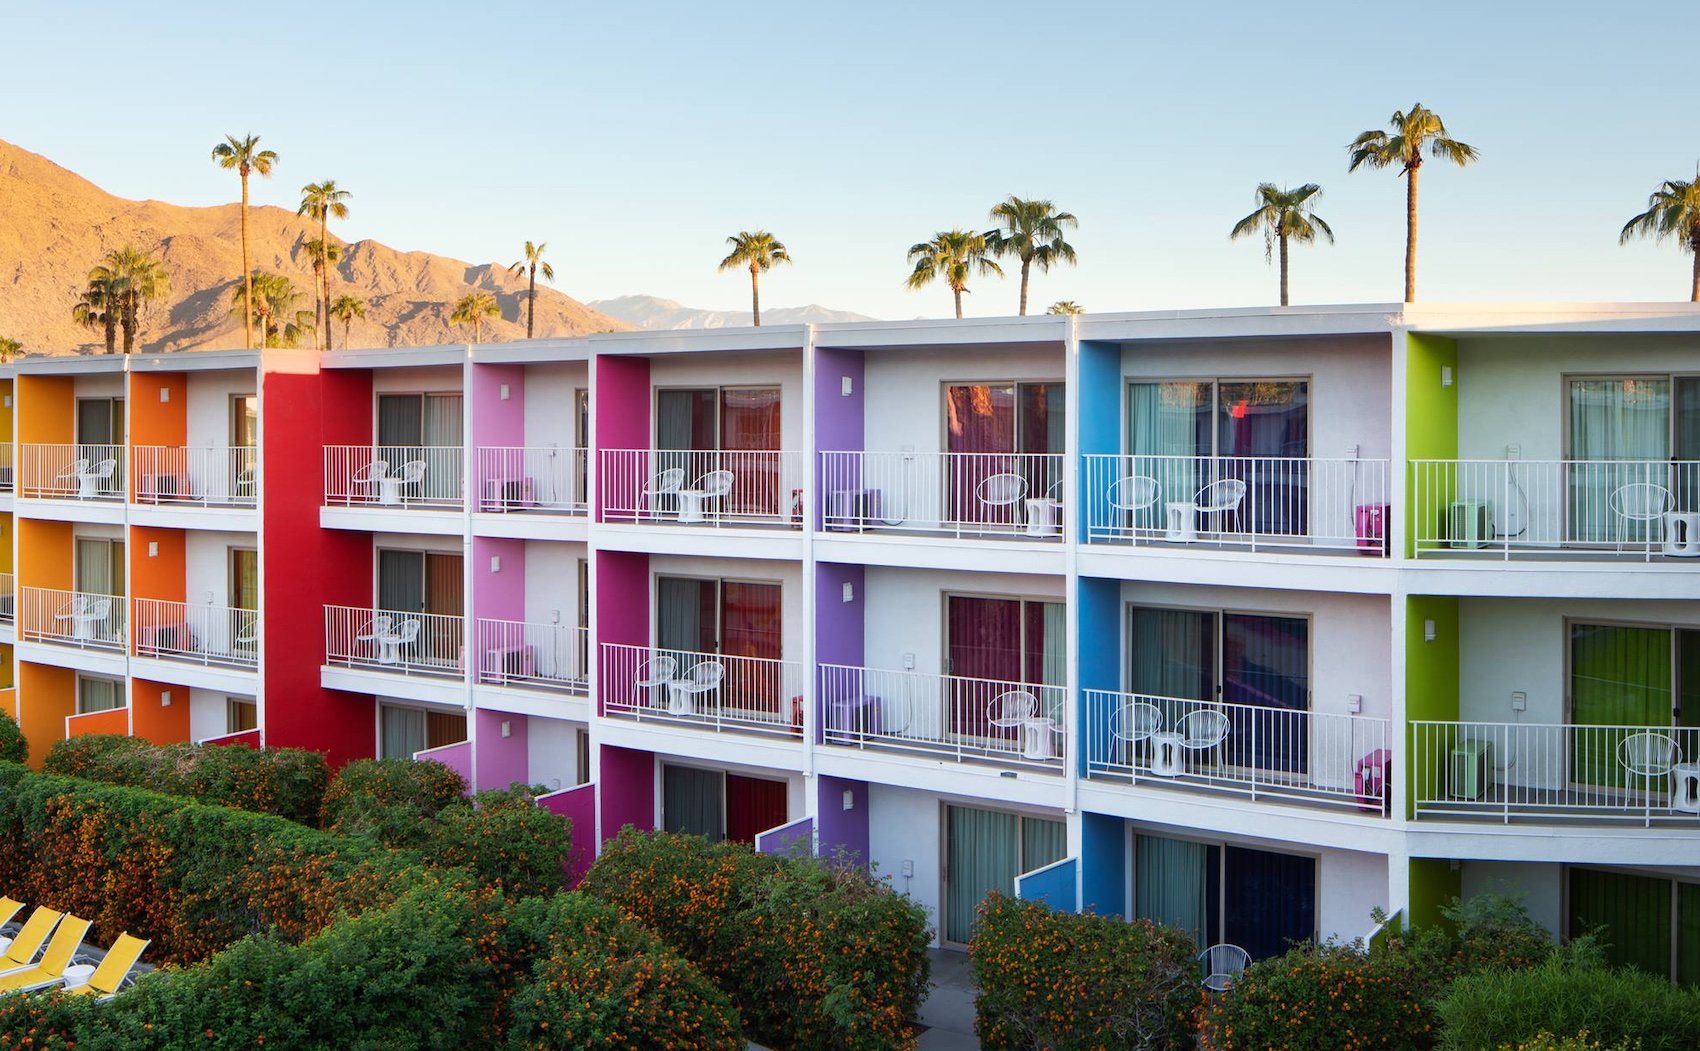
x=46 y=696
x=9 y=701
x=153 y=721
x=45 y=554
x=158 y=576
x=47 y=409
x=116 y=721
x=155 y=422
x=5 y=410
x=6 y=538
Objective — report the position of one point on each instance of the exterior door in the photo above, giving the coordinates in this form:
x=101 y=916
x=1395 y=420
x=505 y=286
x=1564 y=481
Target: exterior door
x=753 y=805
x=100 y=566
x=985 y=850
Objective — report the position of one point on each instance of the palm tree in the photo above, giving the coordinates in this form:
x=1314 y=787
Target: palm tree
x=1283 y=215
x=274 y=300
x=346 y=309
x=1033 y=232
x=322 y=201
x=952 y=255
x=758 y=250
x=1673 y=210
x=1065 y=306
x=473 y=309
x=322 y=257
x=98 y=305
x=533 y=261
x=9 y=348
x=139 y=279
x=245 y=156
x=1410 y=133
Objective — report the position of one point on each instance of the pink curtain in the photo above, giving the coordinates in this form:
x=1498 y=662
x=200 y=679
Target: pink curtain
x=985 y=643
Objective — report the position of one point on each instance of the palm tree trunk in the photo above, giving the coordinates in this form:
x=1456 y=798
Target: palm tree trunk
x=1026 y=263
x=129 y=322
x=477 y=330
x=322 y=309
x=110 y=320
x=957 y=292
x=1283 y=239
x=531 y=304
x=247 y=271
x=1411 y=234
x=755 y=293
x=1694 y=246
x=346 y=323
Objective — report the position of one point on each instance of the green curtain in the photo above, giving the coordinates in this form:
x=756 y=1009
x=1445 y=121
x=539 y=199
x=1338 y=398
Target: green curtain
x=1042 y=842
x=1619 y=676
x=982 y=848
x=1614 y=419
x=1169 y=884
x=1688 y=933
x=1172 y=654
x=1054 y=670
x=1168 y=420
x=1635 y=910
x=693 y=802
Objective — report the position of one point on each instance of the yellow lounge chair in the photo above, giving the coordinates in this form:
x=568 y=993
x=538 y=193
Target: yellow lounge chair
x=22 y=952
x=113 y=971
x=9 y=908
x=51 y=970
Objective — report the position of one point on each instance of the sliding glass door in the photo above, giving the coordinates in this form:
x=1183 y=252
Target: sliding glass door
x=413 y=427
x=99 y=568
x=985 y=850
x=404 y=731
x=727 y=618
x=999 y=645
x=1262 y=901
x=734 y=429
x=425 y=582
x=720 y=806
x=1004 y=428
x=1633 y=677
x=1651 y=923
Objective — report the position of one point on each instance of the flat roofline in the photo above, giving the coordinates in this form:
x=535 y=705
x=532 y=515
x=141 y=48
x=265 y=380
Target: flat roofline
x=395 y=357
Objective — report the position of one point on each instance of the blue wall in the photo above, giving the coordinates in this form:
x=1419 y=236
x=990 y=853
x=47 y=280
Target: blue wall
x=1099 y=603
x=1100 y=420
x=1103 y=864
x=1053 y=885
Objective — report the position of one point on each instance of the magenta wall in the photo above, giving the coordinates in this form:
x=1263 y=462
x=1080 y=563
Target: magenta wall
x=578 y=806
x=622 y=416
x=457 y=757
x=843 y=831
x=622 y=603
x=501 y=760
x=626 y=790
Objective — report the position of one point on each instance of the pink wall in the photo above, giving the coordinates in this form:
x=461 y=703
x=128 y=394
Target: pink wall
x=578 y=806
x=626 y=790
x=498 y=595
x=457 y=757
x=622 y=416
x=622 y=600
x=502 y=760
x=494 y=421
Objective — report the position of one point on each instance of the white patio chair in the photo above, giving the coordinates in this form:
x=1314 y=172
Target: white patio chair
x=1001 y=490
x=89 y=482
x=391 y=642
x=1219 y=497
x=67 y=479
x=715 y=485
x=1648 y=755
x=1134 y=494
x=665 y=483
x=1201 y=730
x=396 y=487
x=1135 y=722
x=653 y=674
x=1222 y=965
x=1645 y=503
x=702 y=680
x=367 y=480
x=1011 y=710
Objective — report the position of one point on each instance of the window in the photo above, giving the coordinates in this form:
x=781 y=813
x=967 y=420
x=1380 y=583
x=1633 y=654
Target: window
x=1630 y=676
x=98 y=695
x=1001 y=428
x=427 y=582
x=697 y=618
x=99 y=568
x=1640 y=430
x=719 y=805
x=415 y=427
x=244 y=421
x=405 y=731
x=241 y=715
x=1000 y=644
x=100 y=422
x=581 y=446
x=985 y=850
x=724 y=429
x=1651 y=922
x=1261 y=901
x=244 y=578
x=1257 y=665
x=582 y=743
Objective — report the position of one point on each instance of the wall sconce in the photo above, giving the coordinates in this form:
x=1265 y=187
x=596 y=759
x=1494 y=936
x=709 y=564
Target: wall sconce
x=507 y=728
x=846 y=386
x=849 y=592
x=495 y=563
x=1428 y=631
x=153 y=549
x=165 y=698
x=503 y=392
x=1446 y=375
x=164 y=395
x=849 y=799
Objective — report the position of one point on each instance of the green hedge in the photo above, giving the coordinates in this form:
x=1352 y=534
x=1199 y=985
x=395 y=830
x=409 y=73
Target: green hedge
x=386 y=797
x=14 y=748
x=1569 y=993
x=288 y=782
x=1069 y=982
x=813 y=955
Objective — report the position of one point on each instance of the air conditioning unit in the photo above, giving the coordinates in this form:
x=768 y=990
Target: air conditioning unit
x=1469 y=769
x=1469 y=523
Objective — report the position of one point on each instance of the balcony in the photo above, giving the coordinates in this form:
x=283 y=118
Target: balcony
x=1554 y=773
x=8 y=598
x=72 y=472
x=719 y=488
x=395 y=477
x=7 y=477
x=945 y=716
x=748 y=695
x=1545 y=509
x=197 y=634
x=177 y=476
x=421 y=644
x=539 y=656
x=74 y=618
x=1252 y=503
x=981 y=495
x=543 y=479
x=1273 y=754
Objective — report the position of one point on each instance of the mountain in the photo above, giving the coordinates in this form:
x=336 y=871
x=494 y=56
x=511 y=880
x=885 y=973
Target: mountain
x=56 y=225
x=654 y=312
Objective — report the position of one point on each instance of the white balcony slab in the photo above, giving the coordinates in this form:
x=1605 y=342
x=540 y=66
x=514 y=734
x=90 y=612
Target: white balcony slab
x=242 y=681
x=427 y=689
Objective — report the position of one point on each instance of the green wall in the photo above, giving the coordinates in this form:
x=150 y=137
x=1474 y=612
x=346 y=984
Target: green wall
x=1431 y=411
x=1431 y=679
x=1433 y=884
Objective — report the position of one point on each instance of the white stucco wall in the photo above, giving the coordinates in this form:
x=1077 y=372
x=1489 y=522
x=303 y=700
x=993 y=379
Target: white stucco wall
x=208 y=415
x=737 y=370
x=429 y=379
x=905 y=825
x=551 y=581
x=904 y=389
x=551 y=413
x=905 y=610
x=552 y=751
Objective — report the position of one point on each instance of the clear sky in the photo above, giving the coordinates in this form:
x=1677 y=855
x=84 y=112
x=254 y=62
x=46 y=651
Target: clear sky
x=634 y=136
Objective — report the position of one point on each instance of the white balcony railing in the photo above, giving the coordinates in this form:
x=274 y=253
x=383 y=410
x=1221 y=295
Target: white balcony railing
x=752 y=694
x=200 y=634
x=964 y=719
x=541 y=478
x=72 y=472
x=1255 y=502
x=1549 y=772
x=8 y=480
x=1315 y=758
x=1637 y=508
x=206 y=477
x=720 y=488
x=549 y=656
x=397 y=476
x=73 y=618
x=8 y=598
x=392 y=641
x=961 y=494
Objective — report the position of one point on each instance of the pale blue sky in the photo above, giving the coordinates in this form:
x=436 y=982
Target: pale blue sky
x=633 y=137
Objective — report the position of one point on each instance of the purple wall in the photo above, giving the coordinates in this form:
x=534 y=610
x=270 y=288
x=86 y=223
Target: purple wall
x=626 y=790
x=578 y=806
x=838 y=419
x=622 y=416
x=502 y=760
x=457 y=757
x=843 y=831
x=839 y=630
x=793 y=840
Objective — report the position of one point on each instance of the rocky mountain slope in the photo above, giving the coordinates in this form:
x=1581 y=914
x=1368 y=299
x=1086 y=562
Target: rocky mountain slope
x=653 y=312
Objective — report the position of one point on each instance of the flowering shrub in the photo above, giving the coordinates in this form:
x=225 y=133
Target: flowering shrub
x=814 y=956
x=1063 y=981
x=505 y=840
x=288 y=782
x=1569 y=993
x=1582 y=1041
x=13 y=747
x=40 y=1023
x=386 y=798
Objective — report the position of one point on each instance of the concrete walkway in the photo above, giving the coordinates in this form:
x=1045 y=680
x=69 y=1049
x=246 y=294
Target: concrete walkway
x=948 y=1011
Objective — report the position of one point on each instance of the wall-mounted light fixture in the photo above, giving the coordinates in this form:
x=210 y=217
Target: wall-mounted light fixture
x=164 y=395
x=849 y=799
x=165 y=698
x=495 y=563
x=1428 y=631
x=503 y=392
x=846 y=386
x=1446 y=375
x=507 y=728
x=849 y=592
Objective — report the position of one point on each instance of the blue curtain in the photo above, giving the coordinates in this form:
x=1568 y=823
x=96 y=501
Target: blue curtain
x=1268 y=900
